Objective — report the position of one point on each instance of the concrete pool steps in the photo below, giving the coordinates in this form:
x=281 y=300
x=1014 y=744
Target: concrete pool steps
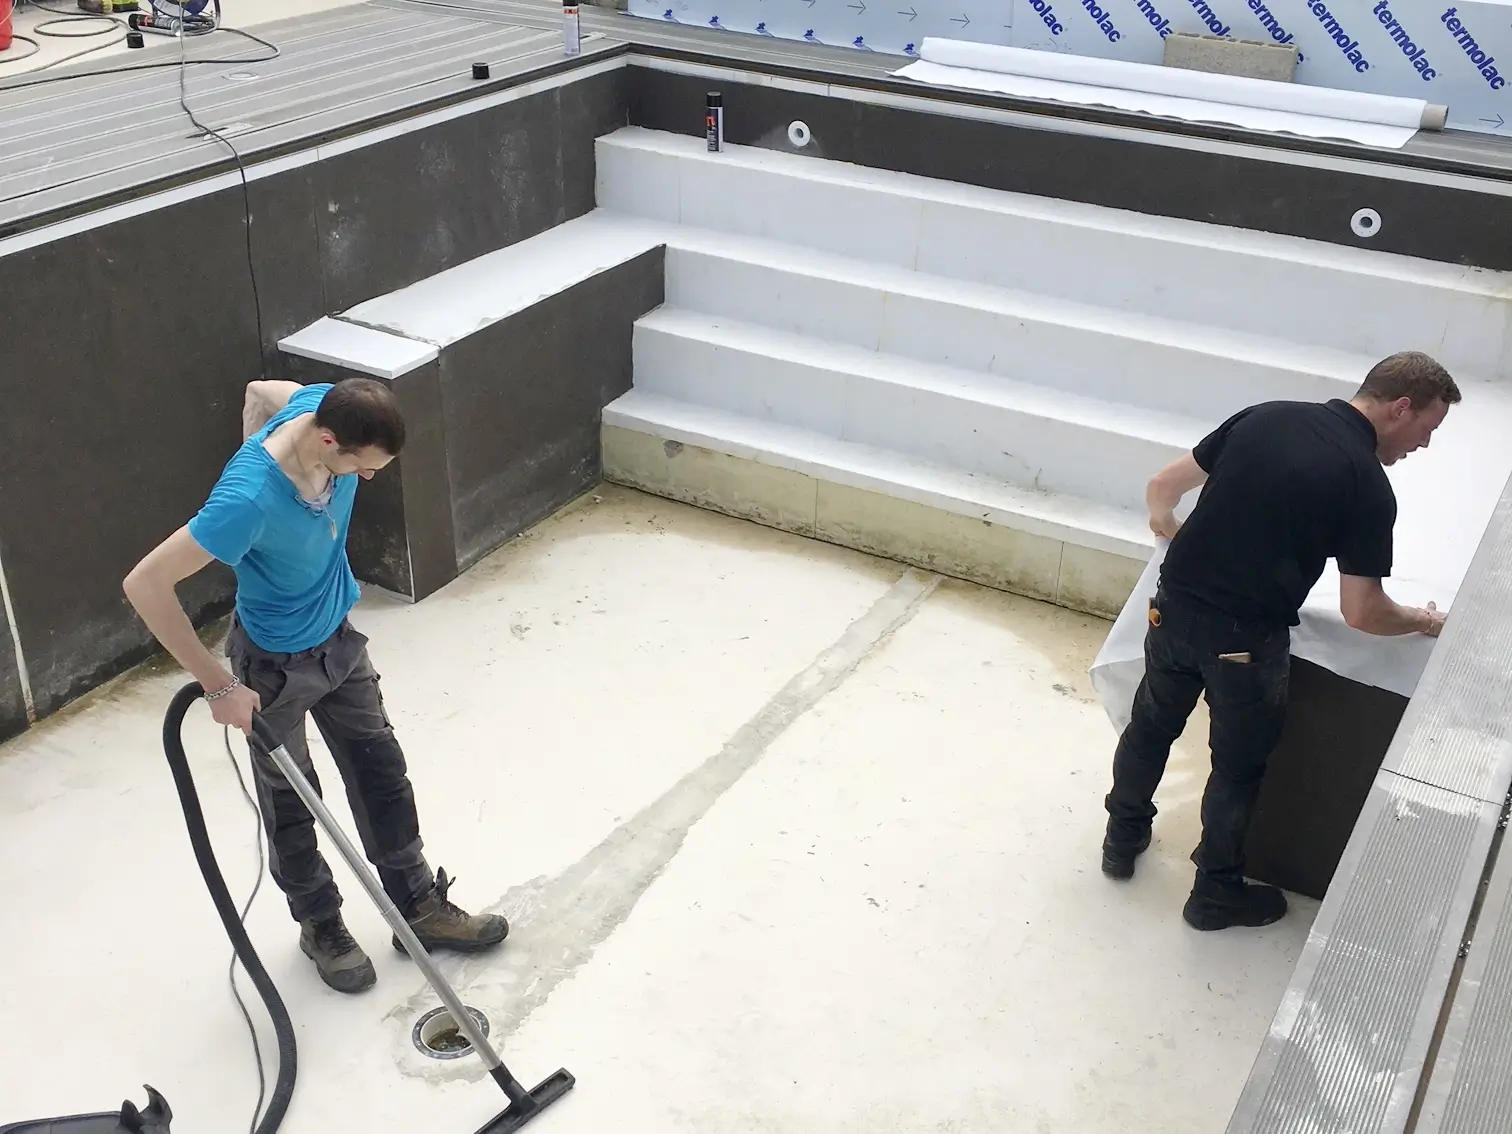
x=989 y=369
x=1026 y=426
x=997 y=435
x=1348 y=298
x=1070 y=551
x=1033 y=437
x=1123 y=357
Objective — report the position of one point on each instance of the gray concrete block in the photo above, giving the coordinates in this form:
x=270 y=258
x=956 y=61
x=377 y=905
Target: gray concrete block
x=1248 y=58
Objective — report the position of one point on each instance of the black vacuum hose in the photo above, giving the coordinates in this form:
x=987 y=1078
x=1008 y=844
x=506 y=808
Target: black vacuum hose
x=194 y=819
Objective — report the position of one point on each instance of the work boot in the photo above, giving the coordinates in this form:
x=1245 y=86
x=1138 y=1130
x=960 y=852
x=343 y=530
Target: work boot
x=1246 y=904
x=1118 y=861
x=338 y=958
x=441 y=925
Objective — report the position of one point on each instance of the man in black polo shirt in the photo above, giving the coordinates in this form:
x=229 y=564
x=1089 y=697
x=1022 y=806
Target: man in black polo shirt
x=1285 y=487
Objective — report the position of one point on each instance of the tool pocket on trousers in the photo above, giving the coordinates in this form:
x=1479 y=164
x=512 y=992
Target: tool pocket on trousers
x=1245 y=677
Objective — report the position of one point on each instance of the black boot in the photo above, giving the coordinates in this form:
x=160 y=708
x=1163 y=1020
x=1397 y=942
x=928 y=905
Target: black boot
x=338 y=958
x=1118 y=859
x=1246 y=904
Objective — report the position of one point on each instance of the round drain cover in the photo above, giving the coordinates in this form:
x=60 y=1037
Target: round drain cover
x=436 y=1034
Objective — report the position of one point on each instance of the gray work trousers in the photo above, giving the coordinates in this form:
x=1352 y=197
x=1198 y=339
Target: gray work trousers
x=336 y=684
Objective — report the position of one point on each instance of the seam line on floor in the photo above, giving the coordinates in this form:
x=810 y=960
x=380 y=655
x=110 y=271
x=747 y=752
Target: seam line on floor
x=557 y=923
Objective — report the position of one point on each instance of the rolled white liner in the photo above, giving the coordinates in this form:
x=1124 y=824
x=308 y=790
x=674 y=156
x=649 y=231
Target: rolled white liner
x=1264 y=94
x=1163 y=106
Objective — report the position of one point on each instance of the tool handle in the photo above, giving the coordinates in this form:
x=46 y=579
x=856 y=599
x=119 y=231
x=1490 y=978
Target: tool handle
x=274 y=747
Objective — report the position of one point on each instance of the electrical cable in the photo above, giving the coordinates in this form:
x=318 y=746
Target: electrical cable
x=262 y=1082
x=65 y=17
x=262 y=364
x=30 y=42
x=183 y=63
x=262 y=1079
x=70 y=16
x=259 y=977
x=23 y=84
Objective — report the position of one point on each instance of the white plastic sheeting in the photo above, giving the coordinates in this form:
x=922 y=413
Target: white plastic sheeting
x=1446 y=495
x=1170 y=92
x=1322 y=638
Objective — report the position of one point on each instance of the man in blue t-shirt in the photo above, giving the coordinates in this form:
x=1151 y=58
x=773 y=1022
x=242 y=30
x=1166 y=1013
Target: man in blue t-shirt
x=278 y=517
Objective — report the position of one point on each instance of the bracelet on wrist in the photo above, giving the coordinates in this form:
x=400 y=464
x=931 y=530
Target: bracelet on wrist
x=235 y=684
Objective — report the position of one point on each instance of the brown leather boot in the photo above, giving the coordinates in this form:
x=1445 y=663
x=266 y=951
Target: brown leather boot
x=338 y=958
x=441 y=925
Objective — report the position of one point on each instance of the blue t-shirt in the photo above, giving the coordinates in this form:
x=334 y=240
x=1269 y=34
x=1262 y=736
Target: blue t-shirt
x=293 y=582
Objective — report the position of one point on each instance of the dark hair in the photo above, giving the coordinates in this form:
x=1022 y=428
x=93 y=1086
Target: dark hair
x=1409 y=374
x=360 y=412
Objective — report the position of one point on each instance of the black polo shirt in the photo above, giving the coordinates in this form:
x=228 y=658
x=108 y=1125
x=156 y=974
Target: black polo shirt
x=1290 y=485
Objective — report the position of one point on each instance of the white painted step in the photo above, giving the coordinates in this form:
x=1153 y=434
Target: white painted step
x=1202 y=372
x=393 y=334
x=451 y=305
x=1119 y=531
x=1025 y=435
x=1351 y=299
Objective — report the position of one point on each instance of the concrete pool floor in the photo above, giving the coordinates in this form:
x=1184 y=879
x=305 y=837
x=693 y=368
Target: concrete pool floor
x=792 y=839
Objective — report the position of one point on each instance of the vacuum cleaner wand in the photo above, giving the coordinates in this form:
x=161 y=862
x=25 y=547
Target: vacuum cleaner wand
x=523 y=1104
x=155 y=1118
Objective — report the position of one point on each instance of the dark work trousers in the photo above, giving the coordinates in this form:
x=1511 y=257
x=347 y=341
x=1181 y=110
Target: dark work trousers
x=1185 y=648
x=336 y=684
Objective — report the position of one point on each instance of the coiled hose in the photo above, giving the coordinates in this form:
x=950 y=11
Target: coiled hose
x=199 y=838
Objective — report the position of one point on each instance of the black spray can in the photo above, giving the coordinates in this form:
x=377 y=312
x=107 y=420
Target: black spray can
x=714 y=121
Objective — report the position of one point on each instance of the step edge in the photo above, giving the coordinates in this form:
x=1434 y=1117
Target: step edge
x=982 y=387
x=1021 y=515
x=1198 y=338
x=1401 y=268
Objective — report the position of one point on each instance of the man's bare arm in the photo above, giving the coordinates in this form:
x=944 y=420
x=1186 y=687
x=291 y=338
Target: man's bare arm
x=1367 y=607
x=262 y=401
x=1165 y=490
x=150 y=589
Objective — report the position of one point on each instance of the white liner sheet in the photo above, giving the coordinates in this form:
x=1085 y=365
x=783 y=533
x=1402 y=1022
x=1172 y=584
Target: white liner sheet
x=1382 y=121
x=1445 y=497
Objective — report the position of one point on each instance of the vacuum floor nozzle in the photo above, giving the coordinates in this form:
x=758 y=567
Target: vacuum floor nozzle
x=523 y=1105
x=528 y=1106
x=153 y=1119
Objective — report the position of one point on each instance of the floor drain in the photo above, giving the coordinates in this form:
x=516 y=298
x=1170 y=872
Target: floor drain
x=436 y=1034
